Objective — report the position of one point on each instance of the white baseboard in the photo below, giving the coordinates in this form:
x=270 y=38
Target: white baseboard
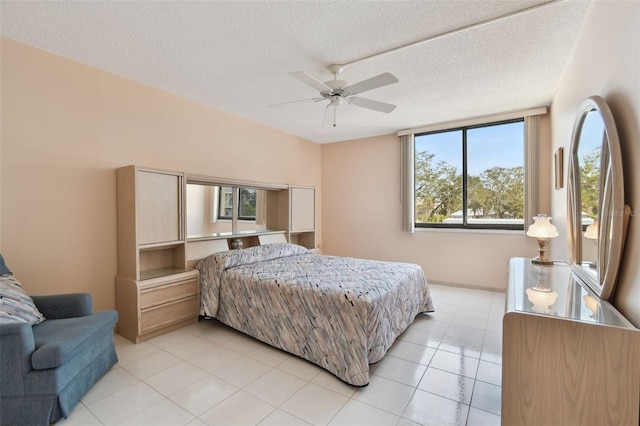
x=471 y=286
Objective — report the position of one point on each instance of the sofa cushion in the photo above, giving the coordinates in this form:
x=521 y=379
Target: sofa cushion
x=15 y=305
x=57 y=340
x=4 y=269
x=68 y=305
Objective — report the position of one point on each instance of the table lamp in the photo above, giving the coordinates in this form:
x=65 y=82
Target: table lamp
x=543 y=231
x=591 y=233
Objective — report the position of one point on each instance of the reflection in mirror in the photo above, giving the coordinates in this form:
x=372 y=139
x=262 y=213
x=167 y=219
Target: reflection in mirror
x=592 y=305
x=541 y=301
x=210 y=210
x=541 y=296
x=252 y=209
x=596 y=212
x=589 y=148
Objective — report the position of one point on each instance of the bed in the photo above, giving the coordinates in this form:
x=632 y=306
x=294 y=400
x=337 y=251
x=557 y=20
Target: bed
x=339 y=313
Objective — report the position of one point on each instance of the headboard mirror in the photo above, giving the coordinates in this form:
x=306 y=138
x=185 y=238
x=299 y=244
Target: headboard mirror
x=597 y=215
x=217 y=207
x=211 y=210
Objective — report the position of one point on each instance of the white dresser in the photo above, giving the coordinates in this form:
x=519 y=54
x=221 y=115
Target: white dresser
x=569 y=358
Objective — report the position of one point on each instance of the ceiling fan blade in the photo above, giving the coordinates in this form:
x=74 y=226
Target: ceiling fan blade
x=371 y=83
x=371 y=104
x=307 y=79
x=297 y=102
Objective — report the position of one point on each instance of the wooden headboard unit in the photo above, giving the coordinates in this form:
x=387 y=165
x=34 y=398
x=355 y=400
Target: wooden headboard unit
x=198 y=250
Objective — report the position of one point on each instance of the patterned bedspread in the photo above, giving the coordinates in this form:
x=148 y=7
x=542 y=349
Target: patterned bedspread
x=339 y=313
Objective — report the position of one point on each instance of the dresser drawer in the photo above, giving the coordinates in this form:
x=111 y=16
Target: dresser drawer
x=158 y=295
x=170 y=313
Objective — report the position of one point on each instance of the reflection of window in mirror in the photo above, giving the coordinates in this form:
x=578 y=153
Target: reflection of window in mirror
x=210 y=210
x=246 y=208
x=225 y=203
x=252 y=209
x=589 y=158
x=589 y=152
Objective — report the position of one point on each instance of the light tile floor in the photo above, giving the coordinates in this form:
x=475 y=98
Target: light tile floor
x=444 y=370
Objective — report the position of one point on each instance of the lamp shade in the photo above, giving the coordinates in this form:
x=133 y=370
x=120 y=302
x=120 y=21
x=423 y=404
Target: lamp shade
x=542 y=227
x=592 y=231
x=541 y=301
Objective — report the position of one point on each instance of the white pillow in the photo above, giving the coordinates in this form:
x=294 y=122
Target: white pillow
x=15 y=305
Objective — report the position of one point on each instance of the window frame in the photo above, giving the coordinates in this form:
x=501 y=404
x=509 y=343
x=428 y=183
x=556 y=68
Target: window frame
x=464 y=225
x=238 y=207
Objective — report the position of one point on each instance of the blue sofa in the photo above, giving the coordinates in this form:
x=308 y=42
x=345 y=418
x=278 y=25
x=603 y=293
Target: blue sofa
x=47 y=368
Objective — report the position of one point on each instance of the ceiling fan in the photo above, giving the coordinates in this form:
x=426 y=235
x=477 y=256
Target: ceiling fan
x=338 y=92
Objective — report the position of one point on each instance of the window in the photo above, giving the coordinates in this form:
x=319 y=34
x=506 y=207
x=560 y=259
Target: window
x=470 y=177
x=246 y=203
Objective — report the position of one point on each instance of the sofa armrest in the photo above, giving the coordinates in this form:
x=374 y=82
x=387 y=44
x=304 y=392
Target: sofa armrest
x=16 y=346
x=70 y=305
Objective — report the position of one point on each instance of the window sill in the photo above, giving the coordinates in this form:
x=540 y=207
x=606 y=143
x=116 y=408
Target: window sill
x=473 y=231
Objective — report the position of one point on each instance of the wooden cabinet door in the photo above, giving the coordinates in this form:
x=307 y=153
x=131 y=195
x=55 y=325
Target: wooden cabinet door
x=303 y=209
x=158 y=207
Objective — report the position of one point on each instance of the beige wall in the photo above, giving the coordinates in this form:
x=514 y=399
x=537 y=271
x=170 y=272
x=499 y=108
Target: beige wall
x=359 y=175
x=66 y=127
x=362 y=218
x=606 y=62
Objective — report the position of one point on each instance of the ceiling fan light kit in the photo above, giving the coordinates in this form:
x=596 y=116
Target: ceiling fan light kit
x=338 y=92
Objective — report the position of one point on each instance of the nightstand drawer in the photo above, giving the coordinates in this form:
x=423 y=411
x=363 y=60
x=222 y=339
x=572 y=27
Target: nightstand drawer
x=170 y=313
x=155 y=296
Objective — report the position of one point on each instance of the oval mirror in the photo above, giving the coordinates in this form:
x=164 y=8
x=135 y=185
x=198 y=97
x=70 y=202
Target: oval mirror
x=596 y=213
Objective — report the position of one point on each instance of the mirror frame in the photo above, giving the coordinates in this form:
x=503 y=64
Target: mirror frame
x=612 y=220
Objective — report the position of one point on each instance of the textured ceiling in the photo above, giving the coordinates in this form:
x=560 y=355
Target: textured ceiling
x=236 y=55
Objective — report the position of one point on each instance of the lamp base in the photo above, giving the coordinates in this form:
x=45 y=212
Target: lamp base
x=541 y=260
